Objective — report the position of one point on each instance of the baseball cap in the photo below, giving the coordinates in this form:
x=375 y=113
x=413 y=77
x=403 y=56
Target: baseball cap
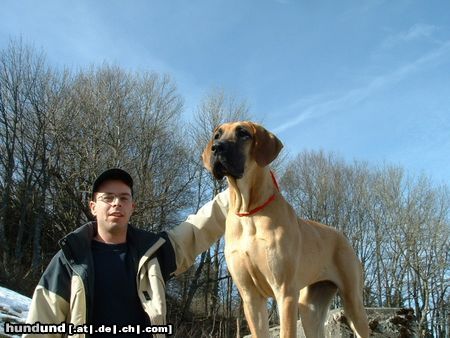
x=111 y=175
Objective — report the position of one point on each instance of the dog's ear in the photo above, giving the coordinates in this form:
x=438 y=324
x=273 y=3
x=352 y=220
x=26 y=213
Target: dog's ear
x=266 y=146
x=206 y=156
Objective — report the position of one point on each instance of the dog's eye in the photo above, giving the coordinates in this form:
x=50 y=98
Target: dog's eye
x=243 y=133
x=217 y=134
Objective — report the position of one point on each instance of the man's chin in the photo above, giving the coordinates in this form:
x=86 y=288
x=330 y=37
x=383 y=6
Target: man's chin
x=116 y=224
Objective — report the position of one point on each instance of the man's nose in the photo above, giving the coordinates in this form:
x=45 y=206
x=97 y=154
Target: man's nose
x=116 y=201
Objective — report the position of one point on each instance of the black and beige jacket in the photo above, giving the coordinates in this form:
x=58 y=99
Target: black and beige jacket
x=65 y=290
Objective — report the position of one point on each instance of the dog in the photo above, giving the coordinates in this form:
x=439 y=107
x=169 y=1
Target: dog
x=269 y=251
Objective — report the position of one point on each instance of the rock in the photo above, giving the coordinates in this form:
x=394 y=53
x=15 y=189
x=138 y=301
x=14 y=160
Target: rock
x=384 y=323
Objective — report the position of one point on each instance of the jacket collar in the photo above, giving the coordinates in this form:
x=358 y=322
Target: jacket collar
x=77 y=244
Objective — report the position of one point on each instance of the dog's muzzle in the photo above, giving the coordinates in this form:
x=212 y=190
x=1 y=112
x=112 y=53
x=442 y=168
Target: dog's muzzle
x=227 y=159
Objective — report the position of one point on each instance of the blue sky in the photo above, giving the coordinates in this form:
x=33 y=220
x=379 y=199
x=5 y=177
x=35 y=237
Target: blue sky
x=368 y=80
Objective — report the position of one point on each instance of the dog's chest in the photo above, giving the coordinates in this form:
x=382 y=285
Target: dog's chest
x=248 y=248
x=239 y=227
x=244 y=231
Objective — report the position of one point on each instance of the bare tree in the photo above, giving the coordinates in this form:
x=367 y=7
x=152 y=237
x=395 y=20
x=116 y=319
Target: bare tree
x=398 y=225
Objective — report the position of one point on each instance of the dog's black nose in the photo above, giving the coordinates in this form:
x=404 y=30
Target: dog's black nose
x=218 y=147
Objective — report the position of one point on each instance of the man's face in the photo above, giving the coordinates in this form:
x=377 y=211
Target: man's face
x=112 y=206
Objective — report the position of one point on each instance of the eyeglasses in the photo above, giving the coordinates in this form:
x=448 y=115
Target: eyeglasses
x=109 y=198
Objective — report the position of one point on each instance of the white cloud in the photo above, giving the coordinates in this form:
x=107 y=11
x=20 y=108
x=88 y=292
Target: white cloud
x=419 y=31
x=356 y=95
x=415 y=32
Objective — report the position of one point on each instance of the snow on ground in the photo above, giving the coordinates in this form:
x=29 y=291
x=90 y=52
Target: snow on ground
x=13 y=308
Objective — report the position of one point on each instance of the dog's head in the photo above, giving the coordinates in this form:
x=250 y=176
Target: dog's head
x=234 y=145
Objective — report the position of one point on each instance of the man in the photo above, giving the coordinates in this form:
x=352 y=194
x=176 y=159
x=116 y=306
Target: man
x=109 y=272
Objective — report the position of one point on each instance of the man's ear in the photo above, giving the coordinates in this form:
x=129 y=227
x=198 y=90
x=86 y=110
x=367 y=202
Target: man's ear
x=92 y=206
x=266 y=146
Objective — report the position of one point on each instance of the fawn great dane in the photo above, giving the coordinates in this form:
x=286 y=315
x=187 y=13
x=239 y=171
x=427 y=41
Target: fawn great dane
x=270 y=252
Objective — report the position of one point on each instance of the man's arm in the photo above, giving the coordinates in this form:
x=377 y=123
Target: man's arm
x=50 y=302
x=199 y=231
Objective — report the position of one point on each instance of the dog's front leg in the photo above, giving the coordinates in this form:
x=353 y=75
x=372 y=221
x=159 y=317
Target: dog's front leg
x=288 y=310
x=254 y=302
x=255 y=312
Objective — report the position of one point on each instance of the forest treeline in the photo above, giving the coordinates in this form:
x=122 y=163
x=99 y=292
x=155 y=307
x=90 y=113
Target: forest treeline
x=60 y=128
